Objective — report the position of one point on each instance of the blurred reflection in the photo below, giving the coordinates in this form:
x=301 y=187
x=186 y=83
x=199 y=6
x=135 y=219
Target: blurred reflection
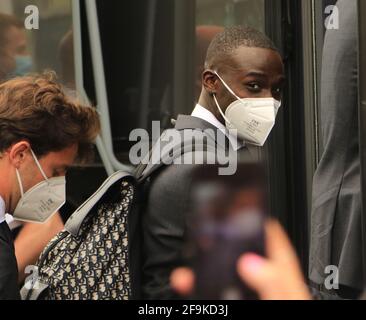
x=15 y=59
x=48 y=48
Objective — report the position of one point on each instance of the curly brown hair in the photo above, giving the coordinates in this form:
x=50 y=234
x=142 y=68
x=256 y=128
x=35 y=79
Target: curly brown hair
x=36 y=108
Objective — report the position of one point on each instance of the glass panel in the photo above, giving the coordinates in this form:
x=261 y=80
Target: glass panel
x=140 y=68
x=48 y=48
x=231 y=12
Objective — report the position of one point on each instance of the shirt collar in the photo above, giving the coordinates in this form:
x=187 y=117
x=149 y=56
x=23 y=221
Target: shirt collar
x=204 y=114
x=2 y=210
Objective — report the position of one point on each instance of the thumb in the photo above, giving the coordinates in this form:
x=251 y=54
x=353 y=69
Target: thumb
x=271 y=282
x=257 y=273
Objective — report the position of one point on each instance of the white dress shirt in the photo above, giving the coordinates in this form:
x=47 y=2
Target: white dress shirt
x=7 y=217
x=2 y=210
x=13 y=224
x=204 y=114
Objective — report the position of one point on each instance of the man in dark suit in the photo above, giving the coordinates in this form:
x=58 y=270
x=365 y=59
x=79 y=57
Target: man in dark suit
x=42 y=133
x=241 y=63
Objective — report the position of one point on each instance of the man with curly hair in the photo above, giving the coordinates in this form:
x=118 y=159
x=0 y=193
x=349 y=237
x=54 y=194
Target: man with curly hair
x=42 y=133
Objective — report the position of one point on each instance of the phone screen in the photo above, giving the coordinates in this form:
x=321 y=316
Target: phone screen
x=228 y=214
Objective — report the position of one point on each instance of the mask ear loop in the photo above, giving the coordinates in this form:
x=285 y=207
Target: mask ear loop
x=20 y=182
x=215 y=99
x=231 y=91
x=39 y=165
x=233 y=131
x=226 y=86
x=218 y=107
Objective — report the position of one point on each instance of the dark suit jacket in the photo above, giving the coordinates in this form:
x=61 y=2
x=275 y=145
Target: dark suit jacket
x=336 y=236
x=164 y=220
x=9 y=289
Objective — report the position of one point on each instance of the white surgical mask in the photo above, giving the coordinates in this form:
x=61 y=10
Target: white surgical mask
x=43 y=200
x=252 y=118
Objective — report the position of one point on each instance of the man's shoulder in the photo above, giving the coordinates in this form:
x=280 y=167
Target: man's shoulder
x=174 y=176
x=185 y=122
x=8 y=265
x=7 y=251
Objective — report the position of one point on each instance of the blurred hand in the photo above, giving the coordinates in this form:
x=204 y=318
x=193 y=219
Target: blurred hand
x=277 y=277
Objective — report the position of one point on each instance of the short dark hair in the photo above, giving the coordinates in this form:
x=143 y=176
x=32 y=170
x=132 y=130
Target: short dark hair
x=226 y=42
x=37 y=109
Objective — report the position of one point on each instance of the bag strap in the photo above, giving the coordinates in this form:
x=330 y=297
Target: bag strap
x=184 y=146
x=73 y=224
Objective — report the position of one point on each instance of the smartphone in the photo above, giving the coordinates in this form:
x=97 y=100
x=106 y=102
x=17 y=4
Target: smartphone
x=227 y=219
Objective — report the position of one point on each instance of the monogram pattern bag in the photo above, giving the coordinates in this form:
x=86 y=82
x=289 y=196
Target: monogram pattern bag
x=90 y=261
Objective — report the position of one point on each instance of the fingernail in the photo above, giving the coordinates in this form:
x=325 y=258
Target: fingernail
x=251 y=262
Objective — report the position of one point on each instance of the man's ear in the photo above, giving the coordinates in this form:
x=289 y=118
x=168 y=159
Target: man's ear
x=209 y=81
x=18 y=153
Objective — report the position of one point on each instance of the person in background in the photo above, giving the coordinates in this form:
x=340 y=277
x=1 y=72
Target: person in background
x=42 y=132
x=15 y=59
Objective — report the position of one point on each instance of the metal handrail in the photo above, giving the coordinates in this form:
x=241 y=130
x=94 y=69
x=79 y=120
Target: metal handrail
x=104 y=142
x=79 y=79
x=147 y=63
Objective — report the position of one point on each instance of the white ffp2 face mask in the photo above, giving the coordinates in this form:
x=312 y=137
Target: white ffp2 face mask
x=252 y=118
x=43 y=200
